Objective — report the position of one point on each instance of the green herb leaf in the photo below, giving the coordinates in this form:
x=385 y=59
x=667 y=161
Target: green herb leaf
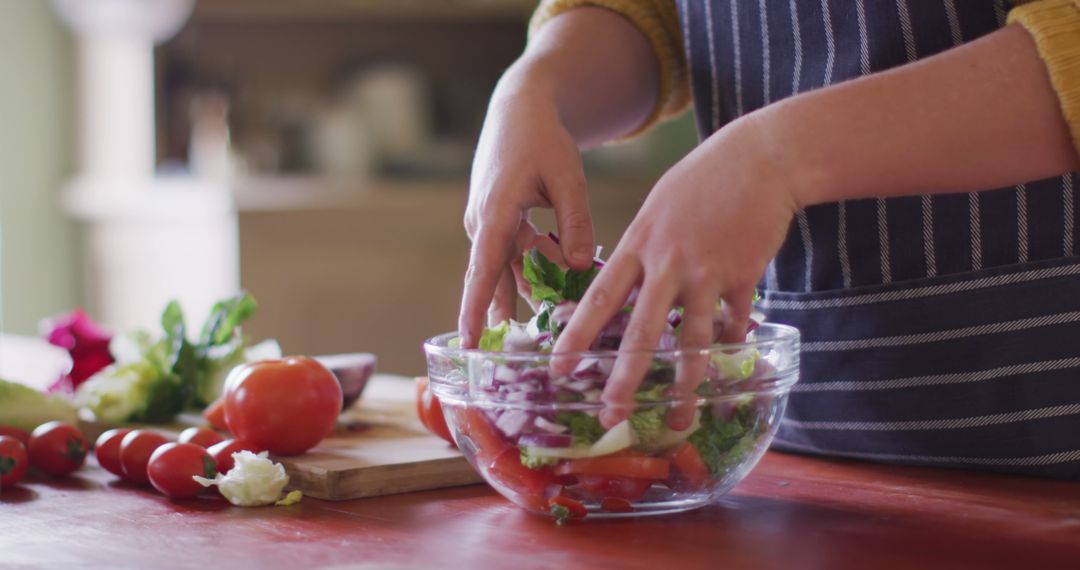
x=577 y=282
x=225 y=317
x=585 y=429
x=544 y=277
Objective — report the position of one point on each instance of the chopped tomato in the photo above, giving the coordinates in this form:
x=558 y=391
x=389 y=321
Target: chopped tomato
x=688 y=470
x=430 y=410
x=564 y=508
x=487 y=441
x=616 y=505
x=215 y=415
x=507 y=470
x=623 y=464
x=605 y=487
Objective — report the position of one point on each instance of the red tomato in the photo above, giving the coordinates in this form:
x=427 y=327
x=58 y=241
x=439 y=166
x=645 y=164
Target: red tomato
x=222 y=453
x=604 y=487
x=215 y=415
x=526 y=485
x=57 y=448
x=574 y=508
x=173 y=465
x=688 y=470
x=135 y=451
x=107 y=450
x=622 y=464
x=200 y=436
x=430 y=410
x=284 y=406
x=616 y=505
x=483 y=435
x=17 y=433
x=13 y=460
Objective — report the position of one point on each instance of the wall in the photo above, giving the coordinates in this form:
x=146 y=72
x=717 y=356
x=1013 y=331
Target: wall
x=40 y=268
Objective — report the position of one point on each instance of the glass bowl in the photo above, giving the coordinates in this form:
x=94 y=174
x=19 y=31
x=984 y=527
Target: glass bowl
x=537 y=439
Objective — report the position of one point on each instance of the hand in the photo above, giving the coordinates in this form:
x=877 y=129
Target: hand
x=525 y=159
x=705 y=233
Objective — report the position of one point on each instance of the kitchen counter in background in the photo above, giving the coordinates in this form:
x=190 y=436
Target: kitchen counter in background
x=372 y=267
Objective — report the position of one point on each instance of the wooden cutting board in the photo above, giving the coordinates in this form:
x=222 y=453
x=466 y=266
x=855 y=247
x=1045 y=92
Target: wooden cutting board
x=380 y=448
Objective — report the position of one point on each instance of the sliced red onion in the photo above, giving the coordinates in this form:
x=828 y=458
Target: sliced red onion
x=512 y=422
x=580 y=385
x=674 y=318
x=549 y=426
x=668 y=341
x=505 y=375
x=552 y=491
x=546 y=440
x=518 y=340
x=562 y=312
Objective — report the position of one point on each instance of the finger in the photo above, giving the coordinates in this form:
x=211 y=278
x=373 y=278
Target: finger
x=488 y=258
x=642 y=334
x=737 y=307
x=524 y=290
x=695 y=335
x=505 y=301
x=602 y=300
x=570 y=200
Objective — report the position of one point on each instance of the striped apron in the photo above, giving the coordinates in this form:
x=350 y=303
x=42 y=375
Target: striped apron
x=938 y=330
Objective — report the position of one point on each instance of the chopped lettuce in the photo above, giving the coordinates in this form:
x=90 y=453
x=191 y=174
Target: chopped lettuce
x=655 y=393
x=25 y=408
x=254 y=481
x=724 y=444
x=648 y=423
x=492 y=338
x=528 y=459
x=584 y=428
x=738 y=365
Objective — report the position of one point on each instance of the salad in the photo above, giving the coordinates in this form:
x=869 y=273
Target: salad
x=538 y=439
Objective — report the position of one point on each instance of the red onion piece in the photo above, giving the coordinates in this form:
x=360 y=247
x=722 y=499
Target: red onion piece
x=546 y=440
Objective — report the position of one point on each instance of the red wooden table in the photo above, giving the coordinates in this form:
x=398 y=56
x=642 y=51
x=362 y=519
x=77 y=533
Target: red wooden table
x=792 y=512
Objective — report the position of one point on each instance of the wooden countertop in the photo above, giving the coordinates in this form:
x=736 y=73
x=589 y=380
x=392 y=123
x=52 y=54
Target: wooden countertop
x=792 y=512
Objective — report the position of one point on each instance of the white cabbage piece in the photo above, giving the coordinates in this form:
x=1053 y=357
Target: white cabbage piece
x=254 y=481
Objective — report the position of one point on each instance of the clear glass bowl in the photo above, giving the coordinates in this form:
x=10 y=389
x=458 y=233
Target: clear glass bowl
x=537 y=440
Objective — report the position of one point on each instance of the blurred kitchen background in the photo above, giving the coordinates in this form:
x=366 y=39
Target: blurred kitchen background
x=313 y=152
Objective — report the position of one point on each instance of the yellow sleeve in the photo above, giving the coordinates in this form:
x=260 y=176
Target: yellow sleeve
x=659 y=21
x=1055 y=25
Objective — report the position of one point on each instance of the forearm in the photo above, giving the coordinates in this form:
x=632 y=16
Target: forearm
x=595 y=67
x=983 y=115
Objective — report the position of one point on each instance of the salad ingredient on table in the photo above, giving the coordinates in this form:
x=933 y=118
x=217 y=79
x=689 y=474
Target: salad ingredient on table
x=283 y=406
x=255 y=480
x=135 y=451
x=214 y=414
x=57 y=448
x=222 y=453
x=85 y=342
x=25 y=408
x=13 y=461
x=174 y=466
x=201 y=436
x=107 y=450
x=17 y=433
x=430 y=410
x=155 y=376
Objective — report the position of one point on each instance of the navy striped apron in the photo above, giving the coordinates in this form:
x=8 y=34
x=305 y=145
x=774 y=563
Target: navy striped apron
x=938 y=330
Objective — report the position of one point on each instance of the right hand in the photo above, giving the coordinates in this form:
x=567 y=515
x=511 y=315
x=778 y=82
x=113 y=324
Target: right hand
x=525 y=159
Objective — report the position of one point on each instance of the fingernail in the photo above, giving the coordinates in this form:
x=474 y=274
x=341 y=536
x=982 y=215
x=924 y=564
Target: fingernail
x=610 y=418
x=583 y=254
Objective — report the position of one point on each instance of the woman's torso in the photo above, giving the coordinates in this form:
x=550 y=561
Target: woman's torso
x=938 y=330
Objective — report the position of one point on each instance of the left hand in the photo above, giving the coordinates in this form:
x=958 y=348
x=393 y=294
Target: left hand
x=706 y=232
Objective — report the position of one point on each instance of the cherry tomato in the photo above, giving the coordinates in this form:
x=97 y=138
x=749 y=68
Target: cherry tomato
x=430 y=410
x=135 y=451
x=616 y=505
x=215 y=415
x=605 y=487
x=173 y=465
x=284 y=406
x=17 y=433
x=107 y=450
x=564 y=508
x=688 y=470
x=57 y=448
x=203 y=437
x=222 y=453
x=13 y=460
x=622 y=464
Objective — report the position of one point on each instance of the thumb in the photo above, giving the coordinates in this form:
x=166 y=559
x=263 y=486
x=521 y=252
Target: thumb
x=571 y=204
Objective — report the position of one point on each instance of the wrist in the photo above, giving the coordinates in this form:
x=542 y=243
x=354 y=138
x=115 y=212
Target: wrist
x=788 y=149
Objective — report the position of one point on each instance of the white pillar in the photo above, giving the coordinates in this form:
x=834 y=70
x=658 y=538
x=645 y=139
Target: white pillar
x=147 y=239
